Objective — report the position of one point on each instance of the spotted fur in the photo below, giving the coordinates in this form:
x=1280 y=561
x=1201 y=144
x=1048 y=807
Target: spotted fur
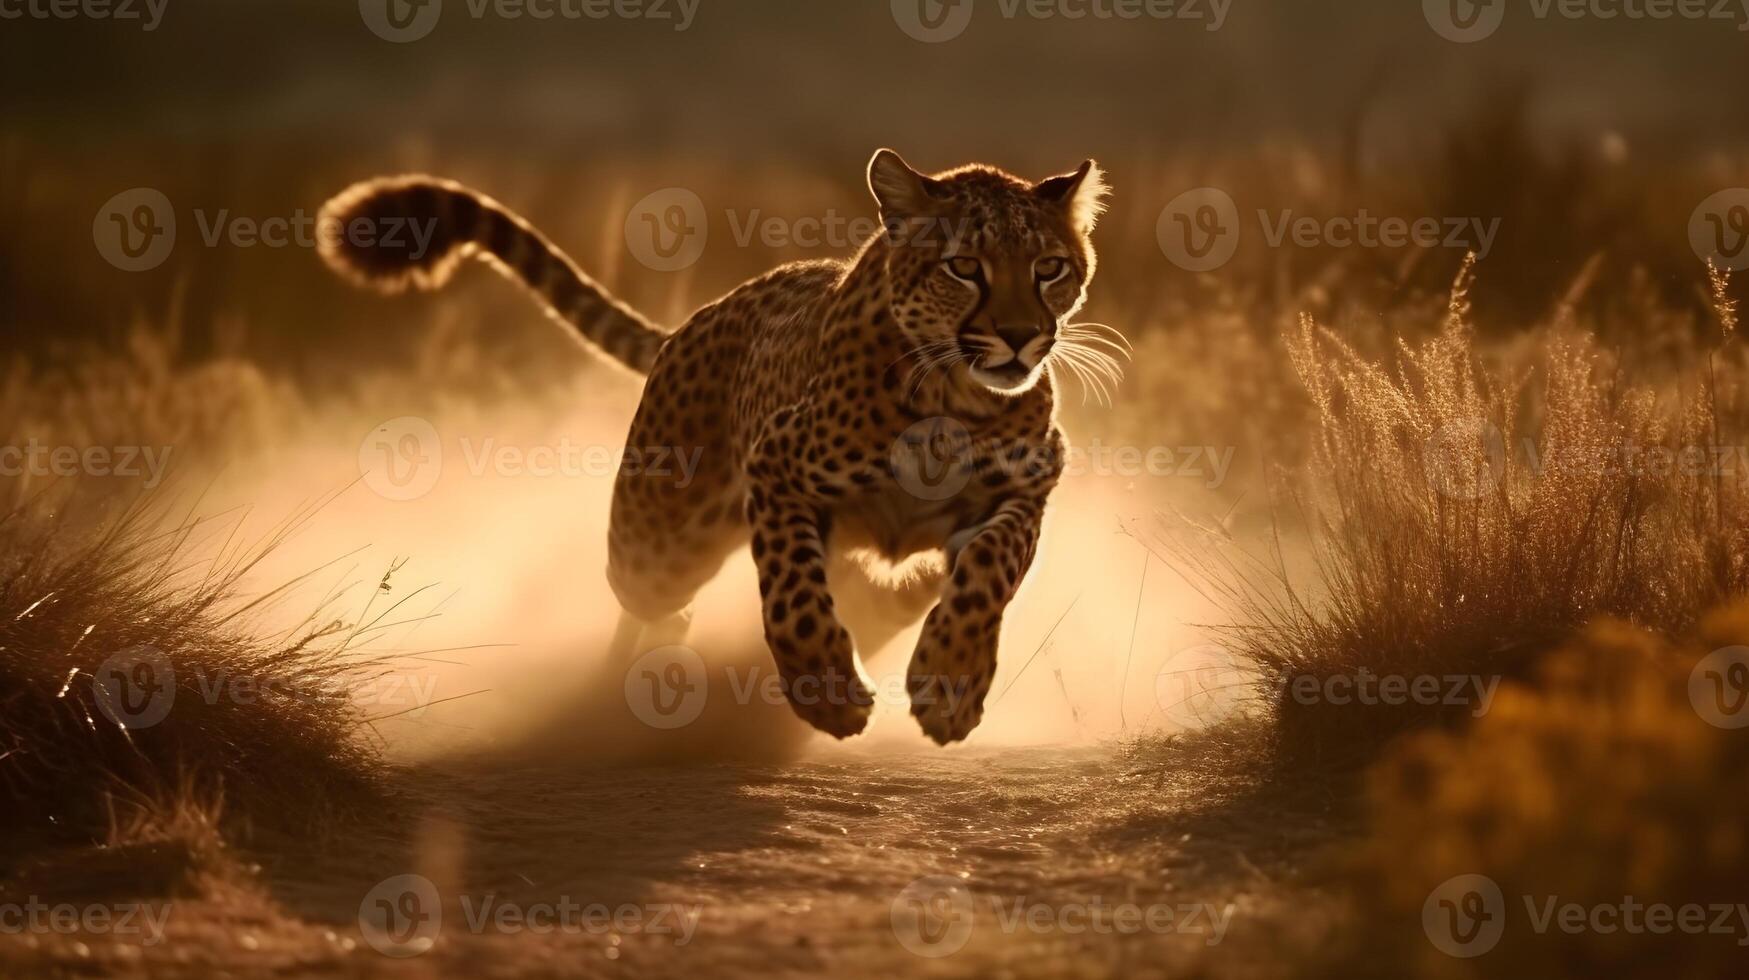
x=824 y=397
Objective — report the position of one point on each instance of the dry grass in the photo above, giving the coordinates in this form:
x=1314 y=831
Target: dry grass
x=260 y=722
x=1463 y=518
x=1597 y=781
x=145 y=392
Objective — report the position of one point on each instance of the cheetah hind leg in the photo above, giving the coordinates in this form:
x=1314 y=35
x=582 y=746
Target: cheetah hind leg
x=633 y=637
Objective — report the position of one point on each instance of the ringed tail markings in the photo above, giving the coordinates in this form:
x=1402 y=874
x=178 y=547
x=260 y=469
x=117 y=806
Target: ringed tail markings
x=417 y=229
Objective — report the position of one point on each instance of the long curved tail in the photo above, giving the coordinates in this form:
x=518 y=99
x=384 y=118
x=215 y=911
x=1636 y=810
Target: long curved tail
x=395 y=232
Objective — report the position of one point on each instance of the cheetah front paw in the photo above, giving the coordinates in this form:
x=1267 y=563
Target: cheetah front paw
x=944 y=712
x=832 y=702
x=949 y=675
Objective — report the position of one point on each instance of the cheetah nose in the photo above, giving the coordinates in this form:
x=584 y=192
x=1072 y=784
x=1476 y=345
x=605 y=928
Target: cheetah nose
x=1017 y=335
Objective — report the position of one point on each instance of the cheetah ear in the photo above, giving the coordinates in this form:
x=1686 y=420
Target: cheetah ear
x=1082 y=193
x=898 y=189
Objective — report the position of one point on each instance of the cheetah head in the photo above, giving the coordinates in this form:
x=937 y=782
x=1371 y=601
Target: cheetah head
x=985 y=269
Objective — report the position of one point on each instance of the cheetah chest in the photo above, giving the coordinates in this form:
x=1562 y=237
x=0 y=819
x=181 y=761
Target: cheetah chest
x=930 y=491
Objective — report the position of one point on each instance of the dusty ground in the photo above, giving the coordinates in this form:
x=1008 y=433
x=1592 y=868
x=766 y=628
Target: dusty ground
x=742 y=842
x=801 y=867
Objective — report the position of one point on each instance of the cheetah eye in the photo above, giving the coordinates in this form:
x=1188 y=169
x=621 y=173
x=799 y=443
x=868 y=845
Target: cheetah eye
x=962 y=267
x=1049 y=270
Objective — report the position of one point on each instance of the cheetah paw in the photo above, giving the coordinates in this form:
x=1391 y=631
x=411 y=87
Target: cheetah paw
x=943 y=717
x=836 y=708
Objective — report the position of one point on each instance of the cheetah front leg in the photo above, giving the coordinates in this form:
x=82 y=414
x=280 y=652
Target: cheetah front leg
x=955 y=659
x=815 y=657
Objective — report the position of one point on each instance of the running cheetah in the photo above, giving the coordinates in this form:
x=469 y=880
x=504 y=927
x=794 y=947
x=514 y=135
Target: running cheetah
x=893 y=410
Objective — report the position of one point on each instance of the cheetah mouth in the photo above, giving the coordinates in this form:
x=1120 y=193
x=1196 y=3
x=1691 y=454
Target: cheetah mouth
x=1004 y=377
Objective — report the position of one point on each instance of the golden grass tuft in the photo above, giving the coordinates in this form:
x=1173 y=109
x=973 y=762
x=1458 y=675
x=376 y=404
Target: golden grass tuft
x=136 y=589
x=1463 y=518
x=1595 y=781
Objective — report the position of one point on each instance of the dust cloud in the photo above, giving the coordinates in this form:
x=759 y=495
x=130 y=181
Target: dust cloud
x=495 y=523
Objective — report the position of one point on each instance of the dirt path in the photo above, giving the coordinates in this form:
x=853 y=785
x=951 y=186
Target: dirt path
x=1023 y=862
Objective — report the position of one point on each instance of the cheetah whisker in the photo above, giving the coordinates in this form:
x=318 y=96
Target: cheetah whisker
x=1105 y=360
x=1088 y=367
x=927 y=366
x=925 y=355
x=1114 y=332
x=1106 y=344
x=1080 y=373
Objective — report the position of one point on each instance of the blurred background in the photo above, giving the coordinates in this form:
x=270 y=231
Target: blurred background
x=771 y=108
